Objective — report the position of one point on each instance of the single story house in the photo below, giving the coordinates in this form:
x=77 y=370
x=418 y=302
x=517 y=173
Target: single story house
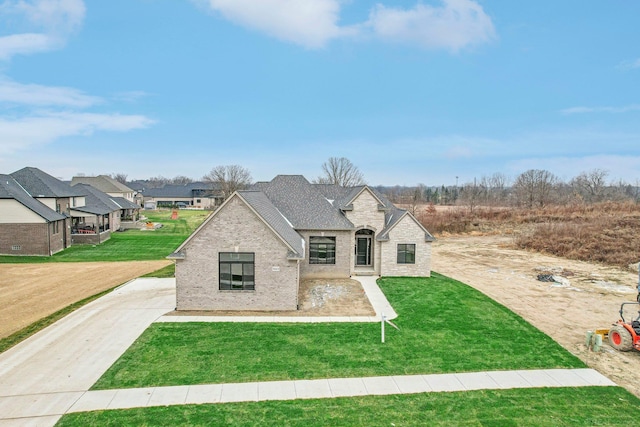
x=252 y=252
x=195 y=195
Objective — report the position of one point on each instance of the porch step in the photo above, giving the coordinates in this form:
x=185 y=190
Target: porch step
x=365 y=273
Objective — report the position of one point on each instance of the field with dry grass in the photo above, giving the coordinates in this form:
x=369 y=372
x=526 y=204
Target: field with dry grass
x=607 y=233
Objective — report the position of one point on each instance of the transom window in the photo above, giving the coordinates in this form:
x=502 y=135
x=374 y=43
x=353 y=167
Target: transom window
x=237 y=271
x=322 y=250
x=406 y=253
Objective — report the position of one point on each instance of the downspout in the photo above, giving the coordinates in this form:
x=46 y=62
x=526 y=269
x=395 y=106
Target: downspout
x=49 y=237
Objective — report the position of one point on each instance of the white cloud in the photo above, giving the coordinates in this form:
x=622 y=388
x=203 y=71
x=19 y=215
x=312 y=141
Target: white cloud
x=21 y=133
x=310 y=23
x=629 y=65
x=582 y=110
x=313 y=23
x=55 y=19
x=38 y=95
x=454 y=25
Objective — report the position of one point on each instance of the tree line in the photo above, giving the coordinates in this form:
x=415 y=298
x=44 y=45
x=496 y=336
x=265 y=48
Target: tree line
x=534 y=188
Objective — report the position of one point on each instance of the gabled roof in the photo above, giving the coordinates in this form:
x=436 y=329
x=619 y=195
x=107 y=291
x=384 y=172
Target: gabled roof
x=303 y=204
x=104 y=183
x=40 y=184
x=393 y=216
x=266 y=212
x=275 y=219
x=96 y=202
x=11 y=189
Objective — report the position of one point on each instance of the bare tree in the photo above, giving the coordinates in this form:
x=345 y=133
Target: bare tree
x=535 y=187
x=473 y=193
x=415 y=198
x=120 y=177
x=229 y=179
x=181 y=180
x=340 y=171
x=590 y=185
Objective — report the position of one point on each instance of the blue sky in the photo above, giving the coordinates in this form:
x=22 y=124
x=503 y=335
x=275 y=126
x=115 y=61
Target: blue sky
x=410 y=91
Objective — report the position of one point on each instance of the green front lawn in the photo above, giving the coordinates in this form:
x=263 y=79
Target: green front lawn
x=130 y=245
x=446 y=326
x=589 y=406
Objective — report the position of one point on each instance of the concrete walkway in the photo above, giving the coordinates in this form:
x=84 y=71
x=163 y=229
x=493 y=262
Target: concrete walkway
x=377 y=299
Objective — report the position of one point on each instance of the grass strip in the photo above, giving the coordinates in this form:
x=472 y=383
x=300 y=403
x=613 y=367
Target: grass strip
x=446 y=326
x=602 y=406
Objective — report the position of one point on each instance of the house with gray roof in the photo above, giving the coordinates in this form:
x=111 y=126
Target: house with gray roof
x=27 y=225
x=107 y=185
x=252 y=252
x=194 y=195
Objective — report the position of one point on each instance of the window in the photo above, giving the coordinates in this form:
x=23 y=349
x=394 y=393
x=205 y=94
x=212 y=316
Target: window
x=16 y=248
x=406 y=253
x=322 y=250
x=237 y=270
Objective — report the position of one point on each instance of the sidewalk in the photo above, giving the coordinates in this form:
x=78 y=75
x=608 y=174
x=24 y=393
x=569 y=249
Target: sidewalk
x=335 y=387
x=46 y=409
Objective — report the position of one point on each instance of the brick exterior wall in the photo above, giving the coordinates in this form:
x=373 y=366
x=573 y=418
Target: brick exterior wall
x=235 y=228
x=365 y=214
x=406 y=231
x=342 y=267
x=33 y=239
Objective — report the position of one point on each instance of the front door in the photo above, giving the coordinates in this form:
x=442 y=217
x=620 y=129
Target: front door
x=363 y=250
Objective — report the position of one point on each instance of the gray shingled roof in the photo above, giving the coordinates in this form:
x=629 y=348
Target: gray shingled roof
x=11 y=189
x=104 y=183
x=40 y=184
x=96 y=202
x=303 y=204
x=276 y=220
x=124 y=203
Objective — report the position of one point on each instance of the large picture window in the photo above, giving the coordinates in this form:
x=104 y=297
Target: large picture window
x=322 y=250
x=237 y=271
x=406 y=253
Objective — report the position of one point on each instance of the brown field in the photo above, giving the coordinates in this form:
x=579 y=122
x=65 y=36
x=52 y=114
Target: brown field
x=30 y=292
x=607 y=232
x=590 y=298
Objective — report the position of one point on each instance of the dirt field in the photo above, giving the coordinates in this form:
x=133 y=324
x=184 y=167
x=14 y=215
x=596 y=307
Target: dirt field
x=30 y=292
x=589 y=299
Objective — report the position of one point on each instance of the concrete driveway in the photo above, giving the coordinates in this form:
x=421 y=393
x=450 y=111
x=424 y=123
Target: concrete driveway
x=44 y=375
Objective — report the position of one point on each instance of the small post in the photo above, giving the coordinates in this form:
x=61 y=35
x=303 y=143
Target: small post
x=383 y=319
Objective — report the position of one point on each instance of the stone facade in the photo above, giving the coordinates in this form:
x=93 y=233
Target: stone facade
x=366 y=215
x=406 y=231
x=236 y=228
x=344 y=250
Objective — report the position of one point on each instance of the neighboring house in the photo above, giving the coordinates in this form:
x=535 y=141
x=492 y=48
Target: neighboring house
x=196 y=195
x=251 y=253
x=107 y=185
x=101 y=214
x=28 y=226
x=58 y=196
